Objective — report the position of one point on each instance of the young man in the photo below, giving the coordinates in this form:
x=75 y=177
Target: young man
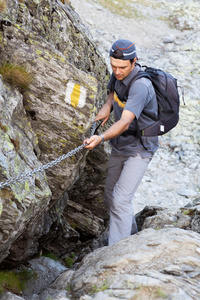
x=129 y=159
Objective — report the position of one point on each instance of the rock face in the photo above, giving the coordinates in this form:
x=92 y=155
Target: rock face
x=187 y=218
x=162 y=264
x=43 y=123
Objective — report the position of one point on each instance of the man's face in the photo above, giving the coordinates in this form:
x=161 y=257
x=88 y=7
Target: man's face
x=121 y=68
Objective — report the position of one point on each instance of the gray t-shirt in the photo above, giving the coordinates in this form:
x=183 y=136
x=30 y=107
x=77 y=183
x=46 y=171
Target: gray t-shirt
x=141 y=98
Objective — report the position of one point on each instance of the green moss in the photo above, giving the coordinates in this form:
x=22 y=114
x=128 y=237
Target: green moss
x=69 y=287
x=68 y=262
x=1 y=39
x=95 y=289
x=158 y=228
x=186 y=212
x=10 y=282
x=27 y=188
x=16 y=75
x=74 y=225
x=51 y=255
x=145 y=291
x=10 y=145
x=15 y=282
x=45 y=19
x=41 y=58
x=39 y=52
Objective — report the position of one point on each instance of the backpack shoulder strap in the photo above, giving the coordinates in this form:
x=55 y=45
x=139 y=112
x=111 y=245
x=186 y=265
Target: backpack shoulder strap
x=139 y=75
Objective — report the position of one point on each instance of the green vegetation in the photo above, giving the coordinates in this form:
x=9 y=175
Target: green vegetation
x=69 y=261
x=158 y=228
x=94 y=288
x=119 y=8
x=186 y=212
x=14 y=282
x=52 y=256
x=2 y=5
x=126 y=8
x=16 y=75
x=3 y=127
x=149 y=293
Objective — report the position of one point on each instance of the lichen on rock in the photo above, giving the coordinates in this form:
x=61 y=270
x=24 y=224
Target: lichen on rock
x=44 y=122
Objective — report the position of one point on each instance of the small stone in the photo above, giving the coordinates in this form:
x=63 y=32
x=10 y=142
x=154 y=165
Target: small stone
x=198 y=250
x=187 y=268
x=173 y=270
x=168 y=39
x=188 y=193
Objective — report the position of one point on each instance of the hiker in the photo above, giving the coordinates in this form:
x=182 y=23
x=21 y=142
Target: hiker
x=129 y=158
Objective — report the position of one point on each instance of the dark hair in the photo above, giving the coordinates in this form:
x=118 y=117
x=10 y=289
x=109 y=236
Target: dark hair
x=119 y=55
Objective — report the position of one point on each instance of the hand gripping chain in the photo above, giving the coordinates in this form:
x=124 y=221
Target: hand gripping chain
x=21 y=177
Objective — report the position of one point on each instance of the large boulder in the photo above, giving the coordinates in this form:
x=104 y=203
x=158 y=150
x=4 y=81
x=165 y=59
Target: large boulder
x=41 y=124
x=153 y=264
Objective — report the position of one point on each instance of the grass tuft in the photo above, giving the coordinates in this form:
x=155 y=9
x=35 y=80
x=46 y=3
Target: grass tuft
x=52 y=256
x=16 y=75
x=2 y=5
x=3 y=127
x=14 y=282
x=16 y=144
x=149 y=293
x=68 y=262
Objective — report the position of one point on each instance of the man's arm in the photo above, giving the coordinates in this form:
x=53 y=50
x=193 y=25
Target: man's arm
x=104 y=112
x=116 y=129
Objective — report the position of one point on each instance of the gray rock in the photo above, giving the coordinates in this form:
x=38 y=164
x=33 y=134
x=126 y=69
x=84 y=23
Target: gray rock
x=146 y=263
x=46 y=270
x=10 y=296
x=47 y=121
x=83 y=220
x=157 y=218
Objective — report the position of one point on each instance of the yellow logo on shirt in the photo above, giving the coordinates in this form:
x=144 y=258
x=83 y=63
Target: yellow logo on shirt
x=119 y=102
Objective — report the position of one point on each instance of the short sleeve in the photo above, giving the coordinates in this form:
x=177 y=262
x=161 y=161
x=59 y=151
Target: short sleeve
x=137 y=98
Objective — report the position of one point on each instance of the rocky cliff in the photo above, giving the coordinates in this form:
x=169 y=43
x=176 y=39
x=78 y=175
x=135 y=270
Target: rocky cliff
x=42 y=123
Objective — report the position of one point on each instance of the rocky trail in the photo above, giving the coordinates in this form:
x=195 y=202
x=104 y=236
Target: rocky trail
x=162 y=40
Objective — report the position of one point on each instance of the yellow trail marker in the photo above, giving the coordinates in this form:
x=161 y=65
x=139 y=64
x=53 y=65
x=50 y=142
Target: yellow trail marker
x=75 y=94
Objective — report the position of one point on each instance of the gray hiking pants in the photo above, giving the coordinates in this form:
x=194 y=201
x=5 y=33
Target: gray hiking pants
x=123 y=178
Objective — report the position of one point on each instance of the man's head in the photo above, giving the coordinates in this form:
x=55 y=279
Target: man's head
x=122 y=58
x=123 y=49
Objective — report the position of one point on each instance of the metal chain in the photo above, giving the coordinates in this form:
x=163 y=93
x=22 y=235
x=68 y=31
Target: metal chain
x=21 y=177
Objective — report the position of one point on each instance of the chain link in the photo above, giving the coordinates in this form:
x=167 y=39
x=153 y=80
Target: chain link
x=21 y=177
